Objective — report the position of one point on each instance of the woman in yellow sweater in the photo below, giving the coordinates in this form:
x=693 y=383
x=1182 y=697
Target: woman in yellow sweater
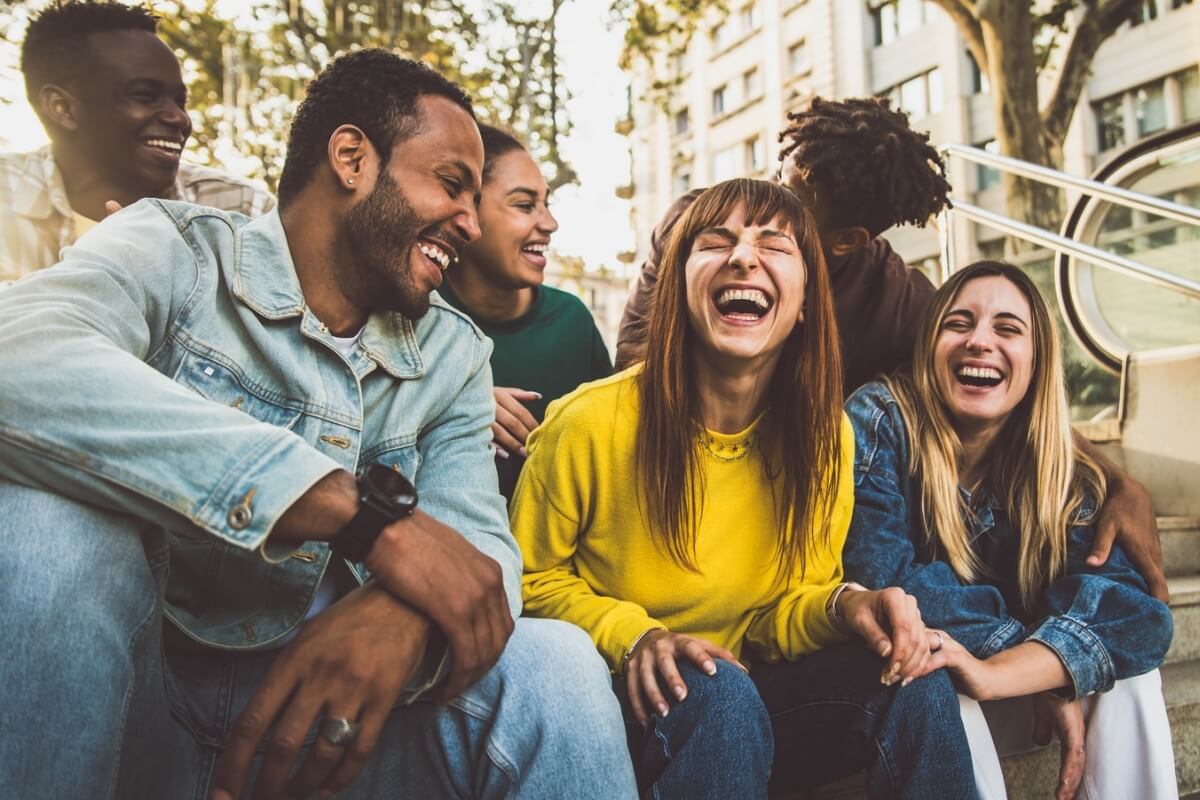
x=689 y=513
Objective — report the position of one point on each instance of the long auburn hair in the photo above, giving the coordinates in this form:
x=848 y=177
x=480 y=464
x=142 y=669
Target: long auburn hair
x=1034 y=467
x=800 y=433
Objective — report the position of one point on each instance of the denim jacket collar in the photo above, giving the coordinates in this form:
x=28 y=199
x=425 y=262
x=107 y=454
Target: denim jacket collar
x=265 y=280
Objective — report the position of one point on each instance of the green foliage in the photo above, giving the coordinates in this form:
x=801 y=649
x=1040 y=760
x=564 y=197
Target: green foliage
x=246 y=65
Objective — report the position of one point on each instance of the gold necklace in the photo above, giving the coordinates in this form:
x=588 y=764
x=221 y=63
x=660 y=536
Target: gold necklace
x=729 y=451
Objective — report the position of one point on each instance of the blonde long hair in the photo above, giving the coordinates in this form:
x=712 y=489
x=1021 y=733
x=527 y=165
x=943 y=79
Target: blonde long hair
x=1034 y=468
x=801 y=427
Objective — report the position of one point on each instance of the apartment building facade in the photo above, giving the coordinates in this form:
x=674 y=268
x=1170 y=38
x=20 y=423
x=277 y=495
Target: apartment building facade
x=715 y=109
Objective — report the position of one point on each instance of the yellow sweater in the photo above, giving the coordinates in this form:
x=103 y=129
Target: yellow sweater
x=590 y=558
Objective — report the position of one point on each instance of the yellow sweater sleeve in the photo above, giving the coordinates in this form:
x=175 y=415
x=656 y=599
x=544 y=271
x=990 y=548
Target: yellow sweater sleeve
x=551 y=507
x=797 y=624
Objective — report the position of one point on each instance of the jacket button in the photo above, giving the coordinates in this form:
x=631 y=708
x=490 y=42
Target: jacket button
x=240 y=516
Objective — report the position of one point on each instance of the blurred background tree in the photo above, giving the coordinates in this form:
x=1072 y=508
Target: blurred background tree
x=247 y=64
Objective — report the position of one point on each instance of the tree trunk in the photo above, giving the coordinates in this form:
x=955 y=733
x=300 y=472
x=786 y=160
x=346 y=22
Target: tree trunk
x=1007 y=29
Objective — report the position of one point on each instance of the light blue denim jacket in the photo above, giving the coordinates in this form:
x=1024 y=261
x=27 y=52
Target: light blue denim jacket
x=168 y=368
x=1100 y=621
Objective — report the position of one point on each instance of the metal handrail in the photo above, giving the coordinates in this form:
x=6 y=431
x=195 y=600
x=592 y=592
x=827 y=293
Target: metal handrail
x=1053 y=241
x=1053 y=177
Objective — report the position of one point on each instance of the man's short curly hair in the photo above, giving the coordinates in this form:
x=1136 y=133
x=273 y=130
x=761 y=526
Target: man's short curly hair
x=374 y=90
x=873 y=169
x=56 y=46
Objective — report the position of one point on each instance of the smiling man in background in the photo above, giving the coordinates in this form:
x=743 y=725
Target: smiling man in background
x=111 y=97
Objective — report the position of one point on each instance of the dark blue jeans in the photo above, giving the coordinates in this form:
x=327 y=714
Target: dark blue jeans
x=800 y=724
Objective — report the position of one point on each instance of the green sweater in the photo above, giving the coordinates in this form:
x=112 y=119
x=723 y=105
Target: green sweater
x=551 y=349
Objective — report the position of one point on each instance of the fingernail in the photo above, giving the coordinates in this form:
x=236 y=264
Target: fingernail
x=501 y=452
x=538 y=395
x=905 y=682
x=524 y=453
x=886 y=650
x=663 y=710
x=742 y=667
x=711 y=668
x=680 y=692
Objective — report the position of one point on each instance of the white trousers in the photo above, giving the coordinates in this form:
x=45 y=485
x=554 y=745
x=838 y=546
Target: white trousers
x=1128 y=742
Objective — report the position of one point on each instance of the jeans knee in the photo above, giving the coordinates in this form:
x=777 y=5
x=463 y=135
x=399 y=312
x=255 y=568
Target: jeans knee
x=726 y=704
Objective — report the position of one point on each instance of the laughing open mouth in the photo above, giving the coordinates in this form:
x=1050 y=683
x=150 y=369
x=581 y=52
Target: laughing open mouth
x=169 y=146
x=742 y=304
x=435 y=253
x=979 y=377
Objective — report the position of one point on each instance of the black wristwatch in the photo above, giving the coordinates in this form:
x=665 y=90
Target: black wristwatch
x=384 y=495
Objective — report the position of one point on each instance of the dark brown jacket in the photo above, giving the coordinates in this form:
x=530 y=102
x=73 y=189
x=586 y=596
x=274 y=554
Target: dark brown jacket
x=878 y=298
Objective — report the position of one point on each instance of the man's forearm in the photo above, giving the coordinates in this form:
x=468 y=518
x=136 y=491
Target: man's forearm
x=320 y=512
x=1112 y=473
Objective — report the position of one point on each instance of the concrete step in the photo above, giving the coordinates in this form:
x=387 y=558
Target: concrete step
x=1035 y=774
x=1185 y=609
x=1180 y=538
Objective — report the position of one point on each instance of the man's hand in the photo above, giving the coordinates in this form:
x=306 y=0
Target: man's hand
x=350 y=661
x=1065 y=718
x=890 y=622
x=513 y=421
x=1127 y=516
x=434 y=569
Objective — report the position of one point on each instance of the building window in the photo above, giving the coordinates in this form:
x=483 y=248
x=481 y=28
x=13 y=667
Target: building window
x=1145 y=12
x=749 y=17
x=979 y=78
x=681 y=181
x=1150 y=108
x=756 y=155
x=919 y=96
x=751 y=83
x=1110 y=122
x=724 y=34
x=797 y=58
x=682 y=121
x=895 y=18
x=725 y=164
x=1189 y=92
x=718 y=101
x=986 y=177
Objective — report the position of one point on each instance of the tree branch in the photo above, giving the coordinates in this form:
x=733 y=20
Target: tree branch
x=962 y=12
x=1097 y=23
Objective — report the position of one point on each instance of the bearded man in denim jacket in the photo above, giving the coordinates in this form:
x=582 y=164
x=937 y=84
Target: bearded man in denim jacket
x=193 y=389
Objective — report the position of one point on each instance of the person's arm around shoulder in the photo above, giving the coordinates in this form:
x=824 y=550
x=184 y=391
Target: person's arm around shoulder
x=631 y=338
x=1127 y=517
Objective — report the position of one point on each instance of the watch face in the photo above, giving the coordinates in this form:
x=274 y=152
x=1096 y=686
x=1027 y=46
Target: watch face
x=391 y=484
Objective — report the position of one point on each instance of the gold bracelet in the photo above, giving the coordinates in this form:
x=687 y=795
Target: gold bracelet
x=831 y=608
x=629 y=653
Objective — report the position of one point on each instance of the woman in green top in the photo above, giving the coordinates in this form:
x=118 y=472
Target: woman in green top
x=545 y=340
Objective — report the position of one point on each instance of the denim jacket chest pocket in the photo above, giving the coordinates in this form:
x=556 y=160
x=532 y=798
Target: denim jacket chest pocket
x=878 y=447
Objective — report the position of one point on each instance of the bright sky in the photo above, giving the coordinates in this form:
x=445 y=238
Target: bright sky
x=594 y=223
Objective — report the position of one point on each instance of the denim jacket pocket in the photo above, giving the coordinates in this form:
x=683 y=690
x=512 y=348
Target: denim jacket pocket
x=399 y=452
x=212 y=378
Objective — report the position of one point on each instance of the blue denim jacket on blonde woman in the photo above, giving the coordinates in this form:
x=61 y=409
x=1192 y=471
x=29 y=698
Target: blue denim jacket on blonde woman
x=1100 y=621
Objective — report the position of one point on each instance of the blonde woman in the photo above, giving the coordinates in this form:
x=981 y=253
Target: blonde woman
x=970 y=495
x=690 y=512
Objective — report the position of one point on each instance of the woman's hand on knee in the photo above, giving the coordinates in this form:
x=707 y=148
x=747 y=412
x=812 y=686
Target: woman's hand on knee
x=656 y=655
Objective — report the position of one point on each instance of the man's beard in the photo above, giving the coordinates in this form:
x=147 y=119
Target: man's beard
x=380 y=233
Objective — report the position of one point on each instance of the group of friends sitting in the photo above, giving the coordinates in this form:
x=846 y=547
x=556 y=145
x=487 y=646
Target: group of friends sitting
x=333 y=496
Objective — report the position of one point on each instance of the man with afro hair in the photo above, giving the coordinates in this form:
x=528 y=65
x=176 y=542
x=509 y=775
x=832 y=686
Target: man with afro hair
x=111 y=97
x=863 y=170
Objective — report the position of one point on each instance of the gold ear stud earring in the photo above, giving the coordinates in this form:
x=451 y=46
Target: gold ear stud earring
x=350 y=181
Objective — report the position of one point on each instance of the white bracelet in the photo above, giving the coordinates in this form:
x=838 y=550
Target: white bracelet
x=831 y=608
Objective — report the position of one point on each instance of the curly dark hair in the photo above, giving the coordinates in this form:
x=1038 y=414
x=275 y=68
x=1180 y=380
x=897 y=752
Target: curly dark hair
x=56 y=46
x=374 y=90
x=873 y=169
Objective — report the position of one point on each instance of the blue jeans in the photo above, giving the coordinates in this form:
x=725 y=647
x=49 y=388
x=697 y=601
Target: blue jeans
x=797 y=725
x=91 y=706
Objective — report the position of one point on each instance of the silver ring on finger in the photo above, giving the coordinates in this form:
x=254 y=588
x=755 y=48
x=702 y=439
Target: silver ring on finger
x=338 y=730
x=940 y=642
